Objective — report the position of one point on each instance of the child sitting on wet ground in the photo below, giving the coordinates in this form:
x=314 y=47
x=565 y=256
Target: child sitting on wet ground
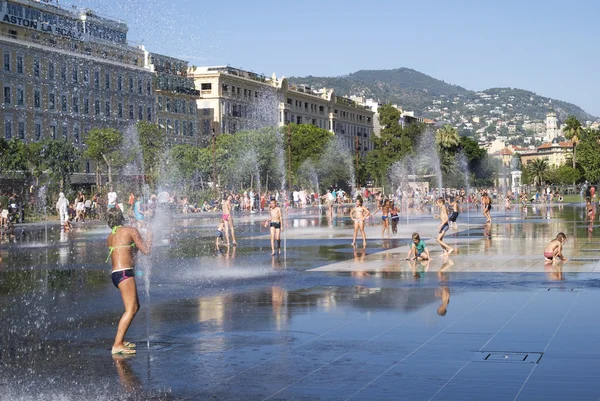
x=418 y=249
x=553 y=250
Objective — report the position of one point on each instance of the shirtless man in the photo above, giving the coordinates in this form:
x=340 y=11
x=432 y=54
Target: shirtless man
x=276 y=224
x=486 y=203
x=443 y=227
x=358 y=216
x=228 y=218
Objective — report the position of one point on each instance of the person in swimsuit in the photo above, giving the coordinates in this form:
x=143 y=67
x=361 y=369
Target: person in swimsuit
x=358 y=216
x=228 y=218
x=276 y=226
x=553 y=250
x=486 y=202
x=385 y=210
x=443 y=227
x=454 y=215
x=394 y=217
x=80 y=207
x=418 y=249
x=123 y=242
x=220 y=233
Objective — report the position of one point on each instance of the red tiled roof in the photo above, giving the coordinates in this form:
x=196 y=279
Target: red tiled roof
x=503 y=152
x=553 y=145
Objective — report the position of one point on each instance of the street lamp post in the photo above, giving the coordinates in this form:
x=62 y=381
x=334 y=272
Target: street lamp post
x=214 y=156
x=289 y=138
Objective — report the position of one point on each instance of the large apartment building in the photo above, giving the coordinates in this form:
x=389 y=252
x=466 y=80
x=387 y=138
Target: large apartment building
x=65 y=72
x=244 y=100
x=175 y=98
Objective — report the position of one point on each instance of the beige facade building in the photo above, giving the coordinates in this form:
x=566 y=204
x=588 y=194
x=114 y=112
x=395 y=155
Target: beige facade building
x=65 y=72
x=555 y=153
x=244 y=100
x=175 y=98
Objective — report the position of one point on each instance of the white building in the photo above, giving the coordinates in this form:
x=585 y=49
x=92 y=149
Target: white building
x=552 y=131
x=244 y=100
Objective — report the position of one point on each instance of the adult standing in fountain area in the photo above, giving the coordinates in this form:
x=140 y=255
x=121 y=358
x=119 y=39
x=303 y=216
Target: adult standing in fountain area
x=228 y=218
x=112 y=199
x=62 y=207
x=123 y=244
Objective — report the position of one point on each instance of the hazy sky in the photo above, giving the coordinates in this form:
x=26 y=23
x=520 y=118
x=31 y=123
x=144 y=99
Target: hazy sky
x=549 y=47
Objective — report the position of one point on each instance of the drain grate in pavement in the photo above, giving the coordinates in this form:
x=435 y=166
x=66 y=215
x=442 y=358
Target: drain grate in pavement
x=584 y=259
x=563 y=289
x=589 y=250
x=508 y=357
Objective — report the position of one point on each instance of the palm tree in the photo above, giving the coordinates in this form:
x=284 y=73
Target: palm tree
x=538 y=170
x=447 y=137
x=572 y=130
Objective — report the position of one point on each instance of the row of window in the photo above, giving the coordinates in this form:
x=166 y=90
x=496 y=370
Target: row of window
x=80 y=74
x=53 y=131
x=177 y=127
x=313 y=108
x=246 y=93
x=176 y=106
x=76 y=105
x=353 y=116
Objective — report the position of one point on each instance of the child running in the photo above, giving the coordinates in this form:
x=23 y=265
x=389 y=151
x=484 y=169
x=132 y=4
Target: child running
x=553 y=250
x=358 y=216
x=275 y=222
x=418 y=249
x=443 y=227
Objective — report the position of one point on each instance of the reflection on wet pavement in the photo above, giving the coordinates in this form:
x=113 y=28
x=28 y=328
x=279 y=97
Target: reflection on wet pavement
x=324 y=322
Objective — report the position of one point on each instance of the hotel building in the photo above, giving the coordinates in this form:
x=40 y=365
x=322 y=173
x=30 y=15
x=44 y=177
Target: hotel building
x=65 y=72
x=244 y=100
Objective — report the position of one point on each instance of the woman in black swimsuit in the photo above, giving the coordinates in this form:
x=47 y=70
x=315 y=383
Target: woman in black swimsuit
x=123 y=243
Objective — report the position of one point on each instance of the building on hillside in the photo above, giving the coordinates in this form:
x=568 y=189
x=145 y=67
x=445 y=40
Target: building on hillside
x=555 y=153
x=507 y=154
x=175 y=99
x=552 y=131
x=244 y=100
x=65 y=72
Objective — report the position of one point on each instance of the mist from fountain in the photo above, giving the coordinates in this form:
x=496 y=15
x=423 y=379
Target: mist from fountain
x=427 y=158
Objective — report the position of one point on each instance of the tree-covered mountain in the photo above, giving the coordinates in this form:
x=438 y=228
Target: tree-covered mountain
x=430 y=97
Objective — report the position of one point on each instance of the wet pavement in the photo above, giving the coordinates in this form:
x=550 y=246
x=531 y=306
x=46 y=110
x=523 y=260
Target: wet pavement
x=323 y=321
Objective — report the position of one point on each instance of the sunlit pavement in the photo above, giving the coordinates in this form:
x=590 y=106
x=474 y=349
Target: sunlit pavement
x=323 y=321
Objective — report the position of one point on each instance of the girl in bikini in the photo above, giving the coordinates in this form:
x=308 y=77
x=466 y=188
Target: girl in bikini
x=358 y=216
x=123 y=243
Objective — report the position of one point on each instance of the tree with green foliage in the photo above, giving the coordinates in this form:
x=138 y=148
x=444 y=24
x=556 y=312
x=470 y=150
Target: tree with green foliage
x=103 y=146
x=14 y=158
x=572 y=130
x=393 y=143
x=307 y=141
x=588 y=150
x=538 y=171
x=60 y=160
x=35 y=161
x=567 y=175
x=152 y=141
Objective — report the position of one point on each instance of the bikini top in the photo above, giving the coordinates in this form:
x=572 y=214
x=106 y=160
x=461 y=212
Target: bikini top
x=112 y=248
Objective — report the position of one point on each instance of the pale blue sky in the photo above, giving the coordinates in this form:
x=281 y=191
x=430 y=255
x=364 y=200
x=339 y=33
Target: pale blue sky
x=549 y=47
